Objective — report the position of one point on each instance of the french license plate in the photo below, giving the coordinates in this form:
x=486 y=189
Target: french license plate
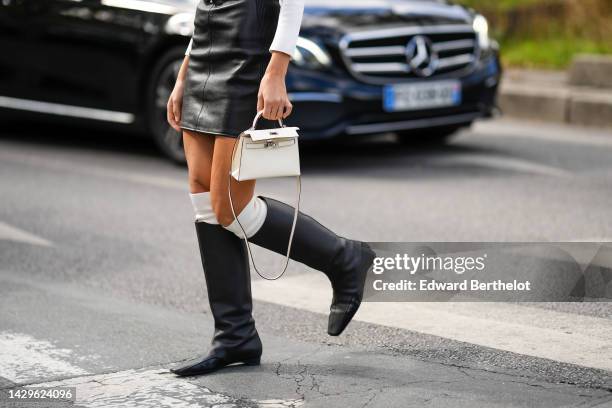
x=404 y=97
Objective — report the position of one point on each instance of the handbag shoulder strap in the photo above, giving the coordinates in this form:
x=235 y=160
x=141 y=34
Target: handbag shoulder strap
x=248 y=245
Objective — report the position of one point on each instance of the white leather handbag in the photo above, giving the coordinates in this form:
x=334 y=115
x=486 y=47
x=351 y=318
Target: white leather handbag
x=266 y=153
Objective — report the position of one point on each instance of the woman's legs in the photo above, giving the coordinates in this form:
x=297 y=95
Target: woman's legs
x=199 y=149
x=251 y=211
x=226 y=269
x=209 y=162
x=267 y=223
x=242 y=191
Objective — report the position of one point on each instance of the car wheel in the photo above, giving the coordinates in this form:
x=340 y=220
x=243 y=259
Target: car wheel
x=169 y=141
x=431 y=136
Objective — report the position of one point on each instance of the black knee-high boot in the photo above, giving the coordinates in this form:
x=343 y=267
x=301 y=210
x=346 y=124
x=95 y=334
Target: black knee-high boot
x=228 y=282
x=344 y=261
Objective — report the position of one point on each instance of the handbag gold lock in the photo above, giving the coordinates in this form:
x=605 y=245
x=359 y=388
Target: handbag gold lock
x=270 y=143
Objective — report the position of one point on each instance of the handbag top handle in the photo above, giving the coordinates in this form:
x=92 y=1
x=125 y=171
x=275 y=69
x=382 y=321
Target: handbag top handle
x=258 y=116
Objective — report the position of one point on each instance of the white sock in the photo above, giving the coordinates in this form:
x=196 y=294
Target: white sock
x=202 y=207
x=251 y=218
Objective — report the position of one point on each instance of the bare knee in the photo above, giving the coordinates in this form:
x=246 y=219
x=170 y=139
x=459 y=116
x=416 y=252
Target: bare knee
x=198 y=183
x=221 y=208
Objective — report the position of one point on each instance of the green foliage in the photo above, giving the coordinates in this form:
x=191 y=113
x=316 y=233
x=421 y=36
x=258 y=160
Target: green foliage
x=500 y=5
x=547 y=33
x=549 y=53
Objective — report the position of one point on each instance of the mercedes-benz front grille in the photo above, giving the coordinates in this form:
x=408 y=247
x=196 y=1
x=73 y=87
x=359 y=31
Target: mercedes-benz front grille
x=381 y=55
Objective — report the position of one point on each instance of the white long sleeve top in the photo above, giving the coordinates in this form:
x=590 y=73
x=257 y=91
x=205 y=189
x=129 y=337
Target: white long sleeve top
x=287 y=29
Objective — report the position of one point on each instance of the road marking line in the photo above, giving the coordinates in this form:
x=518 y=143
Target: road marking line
x=151 y=389
x=66 y=110
x=502 y=163
x=10 y=233
x=122 y=175
x=142 y=389
x=563 y=337
x=24 y=359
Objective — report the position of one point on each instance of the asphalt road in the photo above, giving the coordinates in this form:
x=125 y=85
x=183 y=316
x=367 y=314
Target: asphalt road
x=101 y=286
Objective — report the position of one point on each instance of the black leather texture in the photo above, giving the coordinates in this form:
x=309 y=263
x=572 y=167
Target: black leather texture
x=345 y=262
x=228 y=282
x=229 y=56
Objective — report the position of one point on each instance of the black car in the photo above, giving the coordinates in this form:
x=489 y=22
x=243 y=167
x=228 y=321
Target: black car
x=360 y=67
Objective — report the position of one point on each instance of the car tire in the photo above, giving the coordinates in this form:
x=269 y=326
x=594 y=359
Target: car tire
x=163 y=78
x=430 y=136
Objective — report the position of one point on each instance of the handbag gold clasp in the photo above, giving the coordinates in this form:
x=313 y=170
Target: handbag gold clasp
x=270 y=143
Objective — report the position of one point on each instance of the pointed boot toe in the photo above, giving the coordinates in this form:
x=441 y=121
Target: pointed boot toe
x=340 y=315
x=345 y=262
x=349 y=288
x=210 y=364
x=206 y=365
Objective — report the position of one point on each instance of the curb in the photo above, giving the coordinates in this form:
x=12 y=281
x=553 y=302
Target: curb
x=555 y=102
x=591 y=70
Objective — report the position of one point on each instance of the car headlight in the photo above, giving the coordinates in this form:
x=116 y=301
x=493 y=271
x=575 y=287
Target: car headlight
x=481 y=27
x=309 y=54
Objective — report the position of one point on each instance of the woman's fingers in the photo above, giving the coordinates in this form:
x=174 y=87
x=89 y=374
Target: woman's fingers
x=288 y=110
x=174 y=107
x=266 y=111
x=170 y=114
x=276 y=110
x=274 y=115
x=260 y=102
x=270 y=109
x=281 y=111
x=177 y=114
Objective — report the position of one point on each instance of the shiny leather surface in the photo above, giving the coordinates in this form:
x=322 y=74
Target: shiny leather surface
x=226 y=64
x=345 y=262
x=228 y=284
x=349 y=286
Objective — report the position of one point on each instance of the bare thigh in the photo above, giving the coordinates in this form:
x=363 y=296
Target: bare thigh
x=199 y=154
x=242 y=191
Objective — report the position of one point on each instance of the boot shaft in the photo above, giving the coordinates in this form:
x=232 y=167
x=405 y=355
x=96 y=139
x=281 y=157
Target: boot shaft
x=228 y=283
x=313 y=244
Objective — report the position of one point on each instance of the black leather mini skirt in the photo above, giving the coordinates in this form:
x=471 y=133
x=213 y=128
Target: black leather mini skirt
x=227 y=61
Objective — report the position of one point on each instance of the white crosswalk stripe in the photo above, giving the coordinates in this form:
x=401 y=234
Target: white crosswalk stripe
x=563 y=337
x=25 y=360
x=152 y=389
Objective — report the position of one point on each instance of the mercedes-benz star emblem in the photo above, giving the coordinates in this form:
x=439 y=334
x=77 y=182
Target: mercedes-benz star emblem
x=421 y=56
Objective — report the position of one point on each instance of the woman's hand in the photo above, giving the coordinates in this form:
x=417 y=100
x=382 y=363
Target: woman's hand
x=175 y=102
x=272 y=97
x=175 y=105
